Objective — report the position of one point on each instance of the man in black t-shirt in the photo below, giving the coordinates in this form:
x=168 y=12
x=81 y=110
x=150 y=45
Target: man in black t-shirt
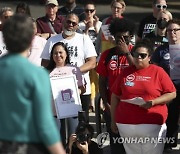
x=148 y=24
x=71 y=7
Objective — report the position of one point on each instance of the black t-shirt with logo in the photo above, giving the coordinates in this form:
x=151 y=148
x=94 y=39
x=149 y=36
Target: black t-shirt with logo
x=146 y=26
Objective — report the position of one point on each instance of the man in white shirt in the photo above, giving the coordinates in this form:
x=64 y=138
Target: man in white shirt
x=81 y=50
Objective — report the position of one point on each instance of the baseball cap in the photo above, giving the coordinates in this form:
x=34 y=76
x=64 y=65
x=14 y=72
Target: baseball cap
x=52 y=2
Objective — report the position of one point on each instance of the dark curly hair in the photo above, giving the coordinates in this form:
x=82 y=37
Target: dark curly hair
x=52 y=63
x=122 y=25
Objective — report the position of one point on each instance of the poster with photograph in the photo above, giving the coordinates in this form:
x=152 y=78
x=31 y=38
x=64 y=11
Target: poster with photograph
x=66 y=96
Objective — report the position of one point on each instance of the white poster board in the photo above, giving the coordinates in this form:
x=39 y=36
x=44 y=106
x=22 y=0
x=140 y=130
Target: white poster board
x=66 y=96
x=174 y=51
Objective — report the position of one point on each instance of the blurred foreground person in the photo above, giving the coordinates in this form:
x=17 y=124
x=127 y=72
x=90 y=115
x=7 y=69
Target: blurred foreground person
x=26 y=118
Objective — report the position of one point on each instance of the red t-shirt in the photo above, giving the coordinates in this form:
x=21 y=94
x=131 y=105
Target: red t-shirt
x=148 y=83
x=113 y=68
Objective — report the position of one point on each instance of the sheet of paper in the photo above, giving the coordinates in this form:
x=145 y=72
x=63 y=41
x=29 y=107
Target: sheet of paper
x=135 y=101
x=105 y=30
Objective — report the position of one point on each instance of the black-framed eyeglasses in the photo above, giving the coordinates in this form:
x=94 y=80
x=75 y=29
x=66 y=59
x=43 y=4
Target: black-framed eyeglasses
x=71 y=22
x=89 y=10
x=159 y=6
x=118 y=8
x=142 y=55
x=173 y=30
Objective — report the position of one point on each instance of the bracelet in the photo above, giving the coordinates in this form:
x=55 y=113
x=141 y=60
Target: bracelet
x=127 y=53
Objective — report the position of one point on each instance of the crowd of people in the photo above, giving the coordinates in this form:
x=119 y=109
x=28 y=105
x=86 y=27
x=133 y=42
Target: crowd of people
x=136 y=71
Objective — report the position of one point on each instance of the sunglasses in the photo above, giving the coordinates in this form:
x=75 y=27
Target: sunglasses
x=142 y=55
x=71 y=22
x=7 y=17
x=159 y=6
x=89 y=10
x=173 y=30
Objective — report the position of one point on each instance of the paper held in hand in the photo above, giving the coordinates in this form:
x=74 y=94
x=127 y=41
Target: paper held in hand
x=136 y=101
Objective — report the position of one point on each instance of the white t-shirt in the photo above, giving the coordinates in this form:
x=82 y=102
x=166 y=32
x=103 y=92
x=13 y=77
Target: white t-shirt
x=3 y=49
x=80 y=48
x=37 y=47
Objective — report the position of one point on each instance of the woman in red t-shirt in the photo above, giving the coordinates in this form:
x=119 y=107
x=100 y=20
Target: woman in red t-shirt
x=138 y=103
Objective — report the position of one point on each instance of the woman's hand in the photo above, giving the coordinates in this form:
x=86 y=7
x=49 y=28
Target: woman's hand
x=88 y=25
x=147 y=105
x=72 y=139
x=114 y=128
x=83 y=147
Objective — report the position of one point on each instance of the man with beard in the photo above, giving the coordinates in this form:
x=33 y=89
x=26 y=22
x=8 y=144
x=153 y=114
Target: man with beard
x=71 y=7
x=81 y=51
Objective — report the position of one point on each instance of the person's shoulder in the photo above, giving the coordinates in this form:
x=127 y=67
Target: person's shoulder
x=39 y=39
x=60 y=17
x=79 y=35
x=37 y=72
x=148 y=18
x=82 y=26
x=106 y=52
x=43 y=18
x=109 y=50
x=78 y=9
x=30 y=68
x=164 y=47
x=70 y=66
x=62 y=9
x=105 y=20
x=81 y=23
x=156 y=68
x=55 y=38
